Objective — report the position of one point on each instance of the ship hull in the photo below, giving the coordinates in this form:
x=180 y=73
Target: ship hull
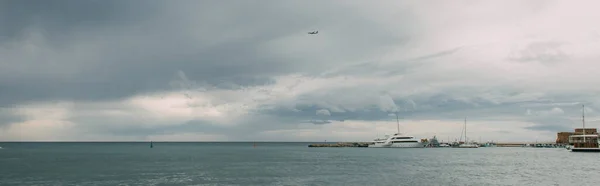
x=399 y=145
x=585 y=149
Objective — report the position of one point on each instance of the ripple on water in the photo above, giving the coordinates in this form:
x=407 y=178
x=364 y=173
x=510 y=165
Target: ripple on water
x=188 y=164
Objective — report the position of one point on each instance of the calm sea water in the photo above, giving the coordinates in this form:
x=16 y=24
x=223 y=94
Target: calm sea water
x=288 y=164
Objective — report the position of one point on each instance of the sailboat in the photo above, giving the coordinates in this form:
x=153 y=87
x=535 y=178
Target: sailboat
x=467 y=144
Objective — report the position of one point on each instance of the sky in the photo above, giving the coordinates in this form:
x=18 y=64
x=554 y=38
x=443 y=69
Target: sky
x=129 y=70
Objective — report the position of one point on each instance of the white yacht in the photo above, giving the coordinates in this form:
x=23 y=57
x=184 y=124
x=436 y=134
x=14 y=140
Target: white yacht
x=399 y=140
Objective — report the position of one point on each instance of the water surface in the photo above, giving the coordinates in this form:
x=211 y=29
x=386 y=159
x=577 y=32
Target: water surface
x=288 y=164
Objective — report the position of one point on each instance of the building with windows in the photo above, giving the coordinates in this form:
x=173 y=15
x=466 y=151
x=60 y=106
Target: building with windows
x=563 y=137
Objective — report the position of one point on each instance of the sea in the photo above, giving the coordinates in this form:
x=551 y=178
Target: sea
x=242 y=163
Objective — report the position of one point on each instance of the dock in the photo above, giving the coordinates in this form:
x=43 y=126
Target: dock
x=366 y=144
x=341 y=144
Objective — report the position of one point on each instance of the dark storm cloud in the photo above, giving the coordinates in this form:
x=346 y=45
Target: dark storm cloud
x=307 y=113
x=124 y=126
x=438 y=107
x=6 y=117
x=60 y=18
x=132 y=47
x=552 y=124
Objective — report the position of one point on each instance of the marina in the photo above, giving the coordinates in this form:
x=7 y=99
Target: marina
x=466 y=144
x=398 y=140
x=446 y=145
x=581 y=140
x=341 y=144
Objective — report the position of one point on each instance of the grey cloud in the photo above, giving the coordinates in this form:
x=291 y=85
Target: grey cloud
x=59 y=19
x=319 y=122
x=323 y=112
x=442 y=106
x=306 y=113
x=387 y=104
x=544 y=52
x=126 y=48
x=97 y=51
x=99 y=124
x=552 y=124
x=402 y=67
x=7 y=117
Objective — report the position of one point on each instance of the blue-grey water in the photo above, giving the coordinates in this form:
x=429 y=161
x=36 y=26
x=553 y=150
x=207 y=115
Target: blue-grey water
x=288 y=164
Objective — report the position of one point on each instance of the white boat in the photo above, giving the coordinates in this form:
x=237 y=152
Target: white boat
x=444 y=145
x=399 y=140
x=584 y=142
x=467 y=144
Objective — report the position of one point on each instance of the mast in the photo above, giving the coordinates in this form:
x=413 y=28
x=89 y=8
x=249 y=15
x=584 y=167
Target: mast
x=583 y=120
x=466 y=139
x=397 y=123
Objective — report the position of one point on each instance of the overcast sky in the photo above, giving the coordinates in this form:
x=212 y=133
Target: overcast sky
x=247 y=70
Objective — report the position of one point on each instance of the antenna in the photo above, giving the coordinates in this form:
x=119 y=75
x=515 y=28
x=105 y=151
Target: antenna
x=583 y=120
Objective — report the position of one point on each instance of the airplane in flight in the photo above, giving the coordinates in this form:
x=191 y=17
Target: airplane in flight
x=314 y=32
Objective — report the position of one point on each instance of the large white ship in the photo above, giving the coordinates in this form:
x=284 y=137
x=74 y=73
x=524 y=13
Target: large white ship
x=399 y=140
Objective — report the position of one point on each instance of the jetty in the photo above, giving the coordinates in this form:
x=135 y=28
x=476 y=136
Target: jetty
x=341 y=144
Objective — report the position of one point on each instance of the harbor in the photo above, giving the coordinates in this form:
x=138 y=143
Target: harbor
x=341 y=144
x=451 y=145
x=581 y=140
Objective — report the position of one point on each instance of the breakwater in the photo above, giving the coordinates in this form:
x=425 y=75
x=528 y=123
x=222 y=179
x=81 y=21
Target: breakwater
x=341 y=144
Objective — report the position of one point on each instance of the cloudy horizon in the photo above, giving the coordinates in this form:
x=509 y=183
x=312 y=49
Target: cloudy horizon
x=248 y=71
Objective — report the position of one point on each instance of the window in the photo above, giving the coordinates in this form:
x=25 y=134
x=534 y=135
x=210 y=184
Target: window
x=404 y=141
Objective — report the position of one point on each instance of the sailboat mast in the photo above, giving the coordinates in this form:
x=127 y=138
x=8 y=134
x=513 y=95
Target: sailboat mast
x=397 y=123
x=583 y=120
x=466 y=139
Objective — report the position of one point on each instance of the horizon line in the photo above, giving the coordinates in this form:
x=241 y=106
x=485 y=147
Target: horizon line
x=510 y=142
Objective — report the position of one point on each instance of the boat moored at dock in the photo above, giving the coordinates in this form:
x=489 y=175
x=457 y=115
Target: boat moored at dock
x=584 y=142
x=466 y=144
x=399 y=141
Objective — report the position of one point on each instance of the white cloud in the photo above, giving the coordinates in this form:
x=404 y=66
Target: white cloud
x=42 y=122
x=552 y=112
x=323 y=112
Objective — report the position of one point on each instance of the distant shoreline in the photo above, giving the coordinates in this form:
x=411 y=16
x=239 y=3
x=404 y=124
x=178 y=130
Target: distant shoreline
x=224 y=142
x=170 y=142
